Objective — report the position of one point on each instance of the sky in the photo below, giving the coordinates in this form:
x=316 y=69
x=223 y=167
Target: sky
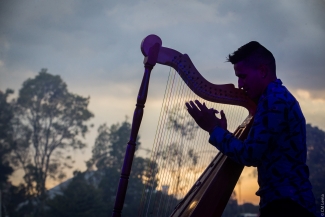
x=95 y=47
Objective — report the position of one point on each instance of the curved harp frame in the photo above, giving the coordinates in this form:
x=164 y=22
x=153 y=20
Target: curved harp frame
x=203 y=199
x=224 y=93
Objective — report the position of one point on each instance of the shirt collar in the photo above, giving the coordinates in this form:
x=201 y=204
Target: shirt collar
x=270 y=88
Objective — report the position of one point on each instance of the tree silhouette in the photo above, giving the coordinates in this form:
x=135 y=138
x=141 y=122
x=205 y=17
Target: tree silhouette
x=6 y=115
x=108 y=156
x=47 y=124
x=316 y=160
x=109 y=148
x=182 y=160
x=78 y=199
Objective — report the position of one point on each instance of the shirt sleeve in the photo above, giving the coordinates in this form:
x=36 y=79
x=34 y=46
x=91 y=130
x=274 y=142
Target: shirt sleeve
x=269 y=121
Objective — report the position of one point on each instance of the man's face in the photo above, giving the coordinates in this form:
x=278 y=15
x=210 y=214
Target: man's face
x=250 y=80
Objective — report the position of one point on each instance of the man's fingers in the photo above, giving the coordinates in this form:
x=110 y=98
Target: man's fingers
x=192 y=109
x=202 y=107
x=198 y=106
x=214 y=110
x=191 y=106
x=223 y=120
x=197 y=102
x=188 y=106
x=222 y=114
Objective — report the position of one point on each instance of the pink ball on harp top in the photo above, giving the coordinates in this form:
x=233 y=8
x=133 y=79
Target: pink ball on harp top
x=148 y=42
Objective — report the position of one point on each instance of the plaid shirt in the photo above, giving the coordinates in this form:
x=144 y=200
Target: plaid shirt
x=276 y=145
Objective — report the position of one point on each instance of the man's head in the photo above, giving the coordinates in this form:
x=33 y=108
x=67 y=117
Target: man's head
x=255 y=68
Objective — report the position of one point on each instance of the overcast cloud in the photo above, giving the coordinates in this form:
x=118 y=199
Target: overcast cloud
x=95 y=47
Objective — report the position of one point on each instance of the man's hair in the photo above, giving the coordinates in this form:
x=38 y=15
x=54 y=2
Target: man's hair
x=253 y=54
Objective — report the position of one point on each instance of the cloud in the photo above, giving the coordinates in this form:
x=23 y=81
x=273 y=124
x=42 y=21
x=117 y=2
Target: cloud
x=72 y=36
x=97 y=44
x=155 y=15
x=313 y=108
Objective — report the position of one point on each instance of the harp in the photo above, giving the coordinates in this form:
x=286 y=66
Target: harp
x=210 y=193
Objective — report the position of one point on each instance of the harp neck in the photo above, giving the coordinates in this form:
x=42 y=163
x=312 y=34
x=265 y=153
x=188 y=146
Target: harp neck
x=224 y=93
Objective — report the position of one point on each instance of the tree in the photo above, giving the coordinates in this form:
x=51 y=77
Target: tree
x=182 y=160
x=99 y=182
x=49 y=121
x=178 y=158
x=80 y=198
x=6 y=115
x=108 y=156
x=109 y=148
x=14 y=198
x=316 y=160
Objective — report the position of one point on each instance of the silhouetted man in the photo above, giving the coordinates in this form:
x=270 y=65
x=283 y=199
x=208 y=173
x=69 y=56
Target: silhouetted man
x=276 y=143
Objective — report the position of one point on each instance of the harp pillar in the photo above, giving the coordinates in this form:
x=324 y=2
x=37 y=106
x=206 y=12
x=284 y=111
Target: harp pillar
x=151 y=46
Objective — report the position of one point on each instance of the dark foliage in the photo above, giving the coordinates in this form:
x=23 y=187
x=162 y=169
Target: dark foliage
x=16 y=200
x=107 y=158
x=79 y=199
x=6 y=115
x=316 y=160
x=46 y=122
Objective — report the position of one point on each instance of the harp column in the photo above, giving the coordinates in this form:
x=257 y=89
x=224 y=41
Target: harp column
x=150 y=47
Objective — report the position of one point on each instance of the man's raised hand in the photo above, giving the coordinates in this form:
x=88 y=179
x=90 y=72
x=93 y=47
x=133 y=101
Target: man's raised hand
x=204 y=117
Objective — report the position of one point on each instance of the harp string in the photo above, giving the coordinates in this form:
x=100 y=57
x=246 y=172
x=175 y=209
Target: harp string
x=163 y=136
x=166 y=138
x=170 y=134
x=180 y=151
x=149 y=182
x=179 y=140
x=149 y=187
x=173 y=139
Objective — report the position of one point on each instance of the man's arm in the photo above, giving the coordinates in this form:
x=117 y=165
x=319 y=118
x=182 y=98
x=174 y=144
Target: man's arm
x=262 y=139
x=269 y=121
